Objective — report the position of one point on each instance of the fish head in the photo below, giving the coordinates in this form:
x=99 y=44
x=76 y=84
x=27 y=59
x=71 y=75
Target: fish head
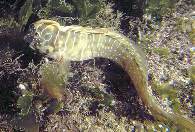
x=43 y=35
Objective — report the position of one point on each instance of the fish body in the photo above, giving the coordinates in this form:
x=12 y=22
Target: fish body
x=77 y=43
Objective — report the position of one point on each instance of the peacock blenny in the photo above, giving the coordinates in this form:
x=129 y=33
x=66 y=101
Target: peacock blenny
x=77 y=43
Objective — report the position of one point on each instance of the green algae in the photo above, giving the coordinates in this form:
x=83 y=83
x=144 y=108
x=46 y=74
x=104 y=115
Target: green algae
x=159 y=8
x=164 y=52
x=18 y=22
x=136 y=70
x=96 y=13
x=60 y=6
x=157 y=126
x=193 y=2
x=87 y=9
x=102 y=97
x=192 y=74
x=184 y=24
x=163 y=91
x=53 y=78
x=24 y=102
x=84 y=10
x=9 y=22
x=168 y=92
x=25 y=13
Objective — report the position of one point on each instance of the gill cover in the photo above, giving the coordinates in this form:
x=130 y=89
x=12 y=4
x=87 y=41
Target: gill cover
x=45 y=35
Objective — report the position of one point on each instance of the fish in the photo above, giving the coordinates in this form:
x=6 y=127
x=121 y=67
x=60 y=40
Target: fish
x=77 y=43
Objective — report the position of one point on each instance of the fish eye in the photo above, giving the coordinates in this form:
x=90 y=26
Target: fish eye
x=36 y=34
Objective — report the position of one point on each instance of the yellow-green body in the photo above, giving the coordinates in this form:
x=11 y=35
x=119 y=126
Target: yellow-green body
x=76 y=43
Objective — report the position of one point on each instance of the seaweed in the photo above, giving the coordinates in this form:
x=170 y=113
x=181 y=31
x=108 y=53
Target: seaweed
x=87 y=8
x=24 y=102
x=53 y=79
x=24 y=13
x=158 y=9
x=164 y=52
x=192 y=74
x=114 y=105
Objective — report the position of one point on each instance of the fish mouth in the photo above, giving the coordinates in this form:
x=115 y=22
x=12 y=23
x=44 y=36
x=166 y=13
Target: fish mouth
x=31 y=37
x=28 y=38
x=30 y=34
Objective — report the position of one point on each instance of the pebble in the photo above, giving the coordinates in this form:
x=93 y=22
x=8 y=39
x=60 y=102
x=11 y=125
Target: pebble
x=181 y=55
x=22 y=86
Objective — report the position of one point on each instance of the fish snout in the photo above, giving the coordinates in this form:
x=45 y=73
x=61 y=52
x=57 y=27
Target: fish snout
x=32 y=37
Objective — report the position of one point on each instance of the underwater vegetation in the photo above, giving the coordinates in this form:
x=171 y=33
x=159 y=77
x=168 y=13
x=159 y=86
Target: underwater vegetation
x=45 y=91
x=80 y=50
x=158 y=9
x=53 y=77
x=192 y=74
x=162 y=51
